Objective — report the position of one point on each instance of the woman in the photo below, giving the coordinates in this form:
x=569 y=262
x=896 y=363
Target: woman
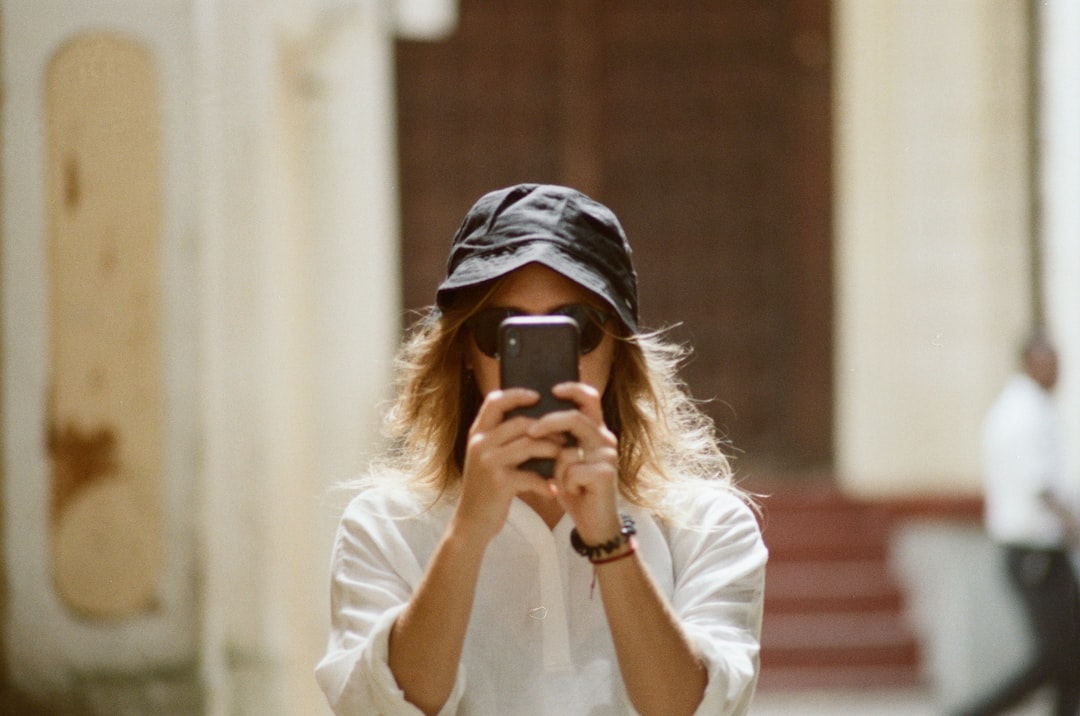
x=631 y=581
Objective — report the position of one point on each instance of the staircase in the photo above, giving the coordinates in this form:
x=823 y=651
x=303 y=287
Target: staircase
x=834 y=617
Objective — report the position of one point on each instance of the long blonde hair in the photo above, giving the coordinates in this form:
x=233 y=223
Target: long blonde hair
x=665 y=440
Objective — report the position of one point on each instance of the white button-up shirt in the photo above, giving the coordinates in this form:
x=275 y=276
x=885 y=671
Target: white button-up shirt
x=538 y=640
x=1021 y=460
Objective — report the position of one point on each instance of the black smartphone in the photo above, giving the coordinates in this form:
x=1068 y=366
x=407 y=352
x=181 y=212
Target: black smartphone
x=538 y=352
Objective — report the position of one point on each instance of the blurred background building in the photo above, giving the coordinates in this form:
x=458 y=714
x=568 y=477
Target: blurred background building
x=217 y=216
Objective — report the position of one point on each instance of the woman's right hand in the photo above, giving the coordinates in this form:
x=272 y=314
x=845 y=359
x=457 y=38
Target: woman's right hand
x=495 y=448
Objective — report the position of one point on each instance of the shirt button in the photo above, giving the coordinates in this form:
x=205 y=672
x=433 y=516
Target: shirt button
x=538 y=613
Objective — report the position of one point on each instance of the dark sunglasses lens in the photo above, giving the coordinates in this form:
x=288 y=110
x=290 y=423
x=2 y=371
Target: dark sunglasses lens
x=485 y=330
x=591 y=324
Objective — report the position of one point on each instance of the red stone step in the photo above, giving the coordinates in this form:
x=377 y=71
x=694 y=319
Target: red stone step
x=834 y=616
x=831 y=586
x=864 y=638
x=854 y=676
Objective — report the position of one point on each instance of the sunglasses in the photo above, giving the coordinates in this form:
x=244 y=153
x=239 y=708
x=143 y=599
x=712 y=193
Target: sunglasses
x=591 y=321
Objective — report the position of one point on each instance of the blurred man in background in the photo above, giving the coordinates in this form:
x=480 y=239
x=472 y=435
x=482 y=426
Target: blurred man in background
x=1029 y=512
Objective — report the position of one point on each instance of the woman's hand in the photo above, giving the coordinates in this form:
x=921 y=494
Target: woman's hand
x=586 y=479
x=495 y=448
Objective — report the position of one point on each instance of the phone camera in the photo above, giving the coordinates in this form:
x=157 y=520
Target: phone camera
x=513 y=343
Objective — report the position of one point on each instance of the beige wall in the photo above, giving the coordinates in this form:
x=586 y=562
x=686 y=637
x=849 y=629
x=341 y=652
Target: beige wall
x=932 y=232
x=106 y=407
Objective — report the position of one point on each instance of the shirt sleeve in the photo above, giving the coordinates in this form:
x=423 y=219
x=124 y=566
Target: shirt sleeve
x=719 y=569
x=373 y=575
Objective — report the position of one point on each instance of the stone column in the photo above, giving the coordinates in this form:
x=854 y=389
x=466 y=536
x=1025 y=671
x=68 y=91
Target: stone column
x=1060 y=176
x=251 y=235
x=99 y=437
x=932 y=226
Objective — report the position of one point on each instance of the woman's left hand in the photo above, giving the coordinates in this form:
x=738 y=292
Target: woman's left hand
x=586 y=477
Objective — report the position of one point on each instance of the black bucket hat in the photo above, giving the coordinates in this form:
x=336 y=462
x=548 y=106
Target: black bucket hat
x=558 y=227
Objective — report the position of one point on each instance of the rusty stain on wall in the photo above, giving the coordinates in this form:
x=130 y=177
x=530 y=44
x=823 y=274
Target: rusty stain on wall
x=72 y=190
x=79 y=457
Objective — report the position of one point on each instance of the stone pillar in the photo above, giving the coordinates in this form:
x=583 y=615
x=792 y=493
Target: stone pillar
x=1060 y=176
x=255 y=223
x=99 y=438
x=932 y=234
x=299 y=211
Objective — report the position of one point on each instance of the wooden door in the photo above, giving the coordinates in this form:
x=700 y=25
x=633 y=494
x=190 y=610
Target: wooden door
x=705 y=127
